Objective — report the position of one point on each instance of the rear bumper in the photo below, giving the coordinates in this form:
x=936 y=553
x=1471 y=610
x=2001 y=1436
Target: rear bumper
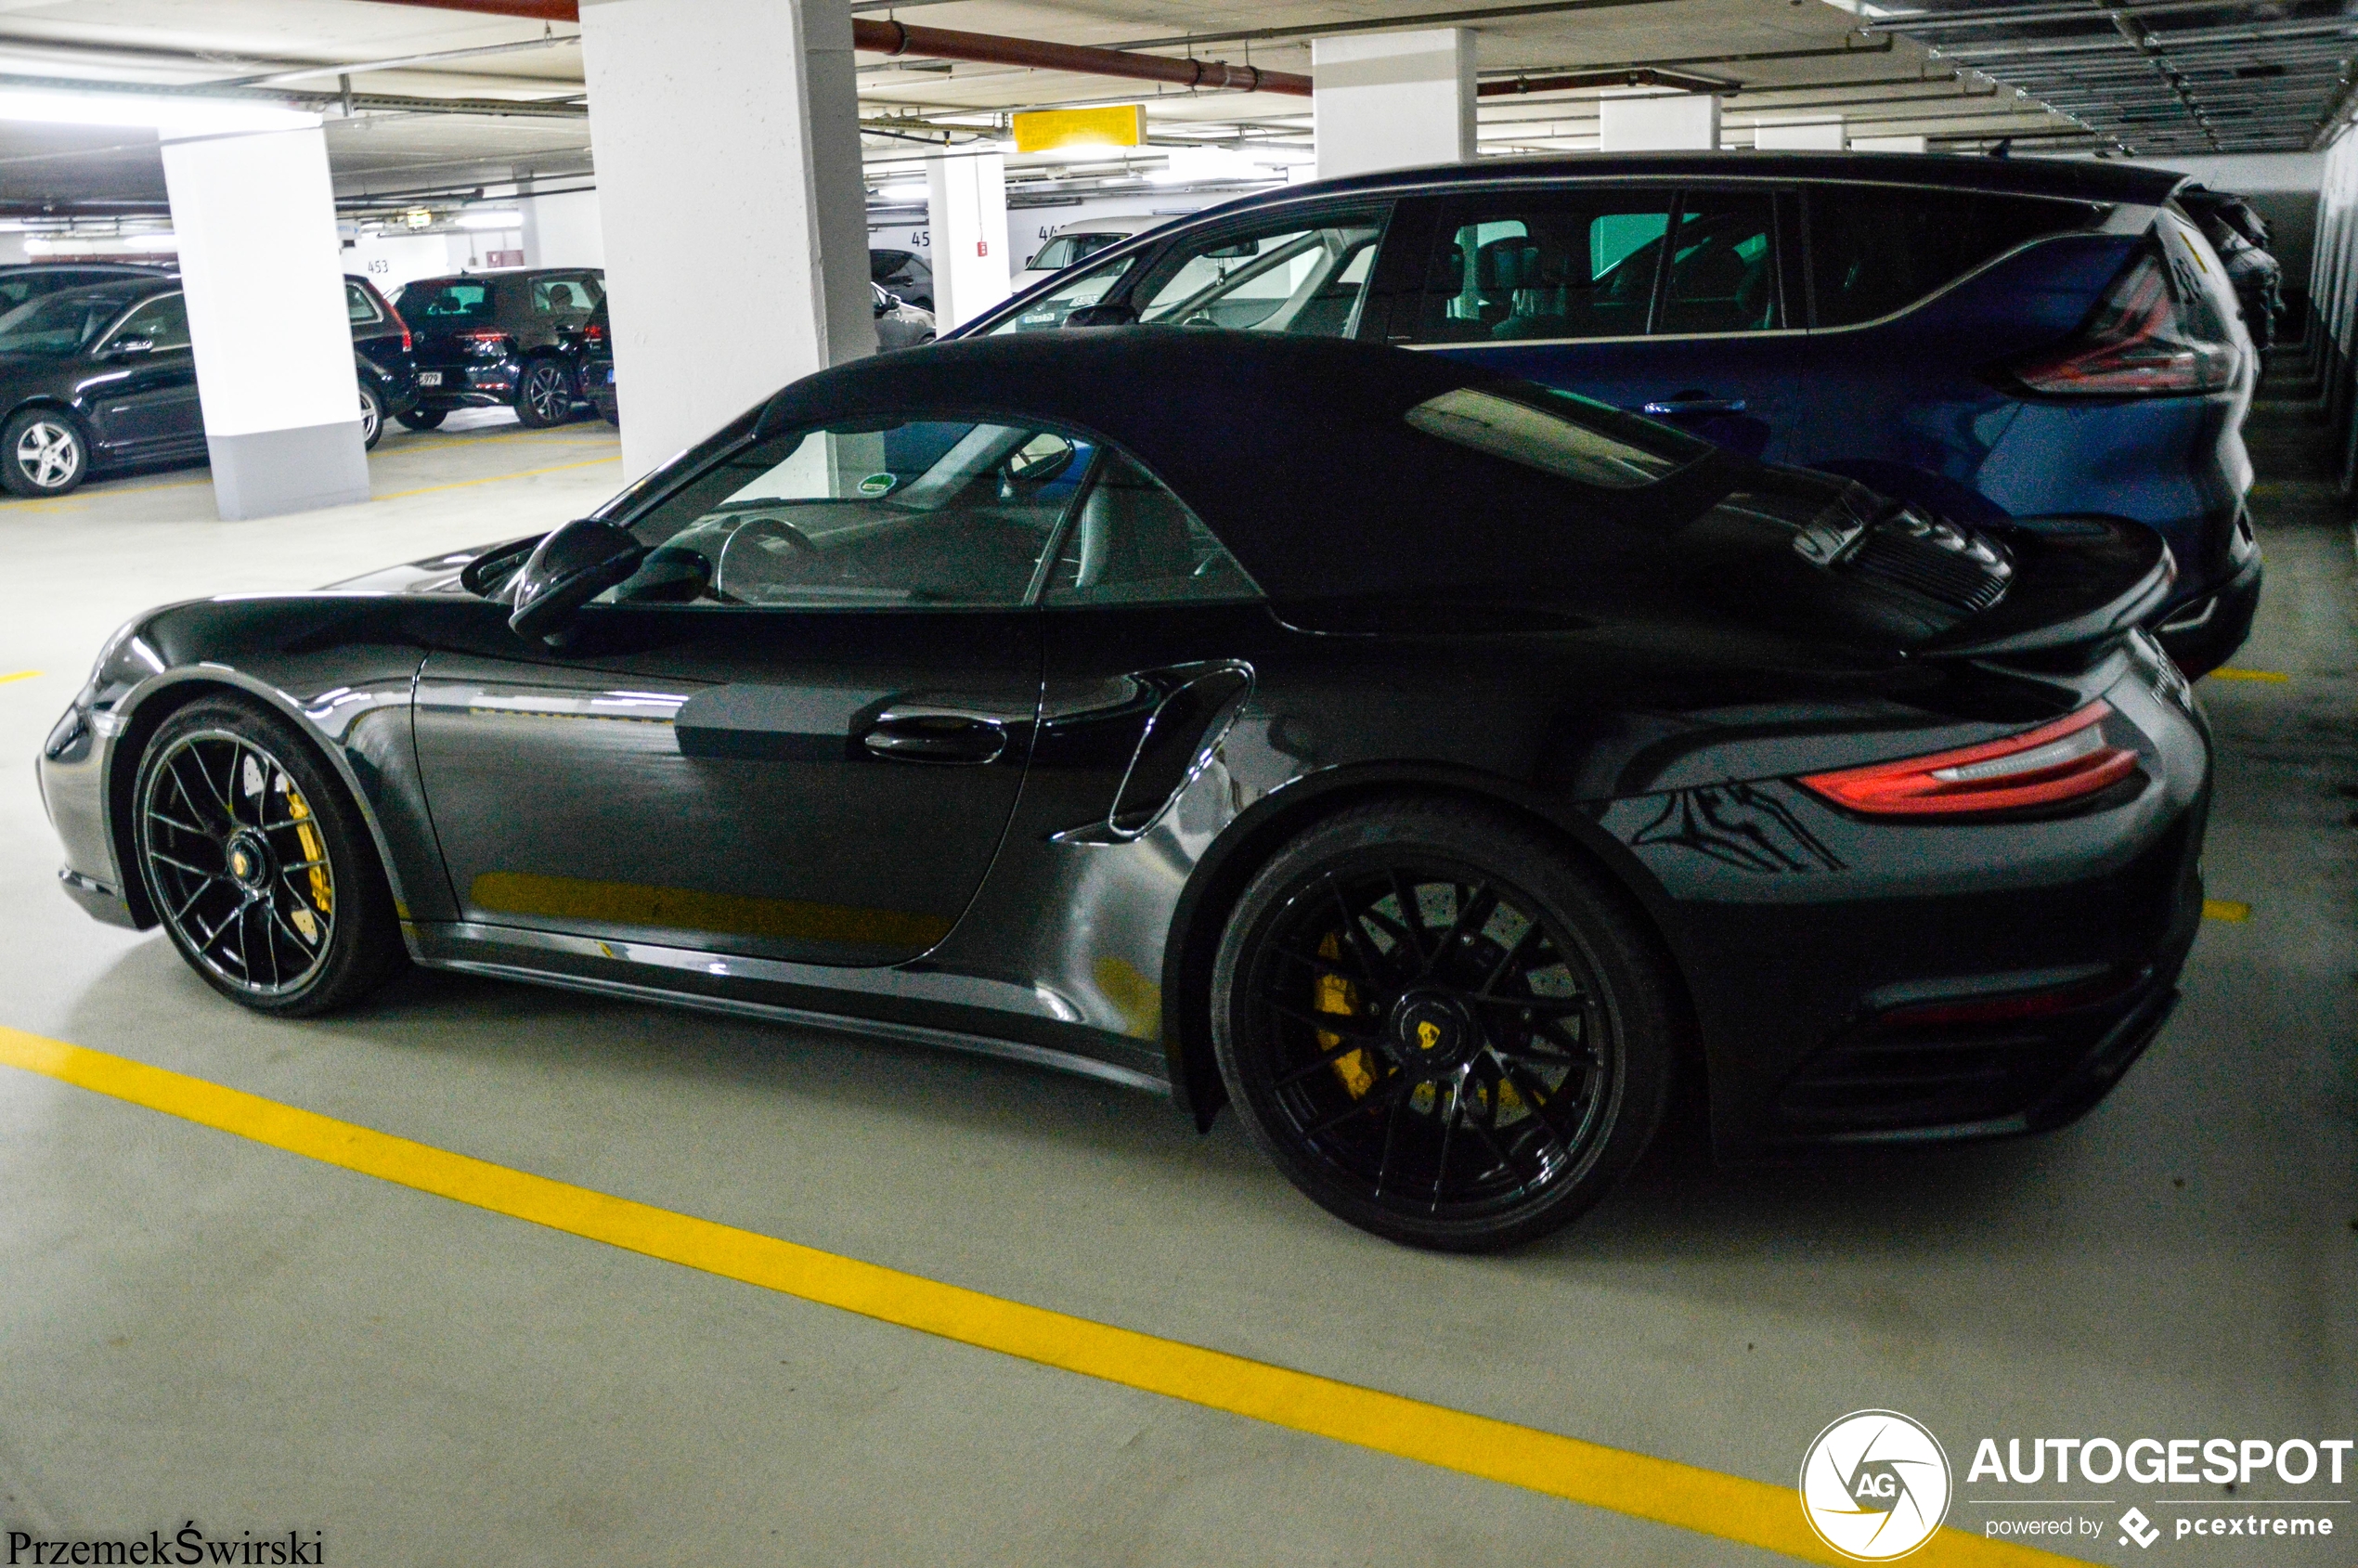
x=2204 y=633
x=471 y=385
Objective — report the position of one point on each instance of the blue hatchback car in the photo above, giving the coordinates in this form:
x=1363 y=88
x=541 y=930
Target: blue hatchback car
x=1991 y=338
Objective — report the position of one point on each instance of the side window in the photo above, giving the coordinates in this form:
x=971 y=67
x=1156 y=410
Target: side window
x=1133 y=542
x=163 y=322
x=561 y=296
x=1723 y=266
x=1551 y=265
x=1290 y=274
x=1877 y=248
x=925 y=513
x=360 y=307
x=1048 y=312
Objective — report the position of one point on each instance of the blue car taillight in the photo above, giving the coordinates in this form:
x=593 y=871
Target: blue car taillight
x=2141 y=342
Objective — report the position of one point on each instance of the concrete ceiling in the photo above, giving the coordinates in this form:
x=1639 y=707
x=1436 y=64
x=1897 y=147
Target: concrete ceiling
x=1785 y=60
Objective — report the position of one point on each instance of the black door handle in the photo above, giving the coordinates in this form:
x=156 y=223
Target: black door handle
x=921 y=735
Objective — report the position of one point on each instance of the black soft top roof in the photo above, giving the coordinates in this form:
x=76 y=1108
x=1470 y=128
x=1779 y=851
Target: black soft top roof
x=2083 y=179
x=1294 y=449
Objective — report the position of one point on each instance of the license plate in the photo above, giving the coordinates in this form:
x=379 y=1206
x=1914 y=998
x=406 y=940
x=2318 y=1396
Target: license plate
x=429 y=378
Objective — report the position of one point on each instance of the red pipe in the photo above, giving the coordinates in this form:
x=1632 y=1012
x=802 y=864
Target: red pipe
x=937 y=43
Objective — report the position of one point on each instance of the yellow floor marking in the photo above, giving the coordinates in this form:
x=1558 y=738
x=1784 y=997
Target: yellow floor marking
x=2268 y=675
x=496 y=478
x=1731 y=1508
x=19 y=675
x=2226 y=909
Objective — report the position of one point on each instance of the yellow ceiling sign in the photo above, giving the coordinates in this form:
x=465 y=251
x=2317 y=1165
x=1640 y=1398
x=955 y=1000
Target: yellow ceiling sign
x=1044 y=130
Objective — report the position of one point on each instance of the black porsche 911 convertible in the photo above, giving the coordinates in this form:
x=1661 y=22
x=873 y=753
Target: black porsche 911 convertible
x=1435 y=768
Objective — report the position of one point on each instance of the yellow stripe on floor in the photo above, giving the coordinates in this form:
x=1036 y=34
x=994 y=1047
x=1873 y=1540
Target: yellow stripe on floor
x=1731 y=1508
x=2274 y=677
x=495 y=478
x=2226 y=909
x=19 y=675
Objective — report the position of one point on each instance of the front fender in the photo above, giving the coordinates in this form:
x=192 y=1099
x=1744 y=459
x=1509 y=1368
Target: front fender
x=332 y=666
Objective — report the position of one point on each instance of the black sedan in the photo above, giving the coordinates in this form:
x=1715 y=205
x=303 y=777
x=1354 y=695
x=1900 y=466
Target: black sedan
x=1436 y=767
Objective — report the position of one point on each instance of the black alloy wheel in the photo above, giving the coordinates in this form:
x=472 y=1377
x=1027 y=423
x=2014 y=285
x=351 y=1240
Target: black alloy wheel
x=424 y=419
x=544 y=396
x=372 y=417
x=1440 y=1028
x=42 y=452
x=259 y=865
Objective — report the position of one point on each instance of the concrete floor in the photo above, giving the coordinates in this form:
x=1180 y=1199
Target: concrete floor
x=196 y=1326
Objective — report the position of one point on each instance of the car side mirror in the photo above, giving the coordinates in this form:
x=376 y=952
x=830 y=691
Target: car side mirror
x=887 y=304
x=568 y=569
x=1103 y=316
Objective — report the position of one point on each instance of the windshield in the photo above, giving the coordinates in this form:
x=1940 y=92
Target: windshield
x=56 y=326
x=445 y=302
x=1572 y=437
x=1067 y=248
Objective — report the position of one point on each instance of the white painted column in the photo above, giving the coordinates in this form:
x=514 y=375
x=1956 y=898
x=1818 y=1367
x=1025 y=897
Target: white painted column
x=1663 y=123
x=263 y=268
x=1393 y=100
x=1806 y=136
x=730 y=195
x=1888 y=144
x=966 y=214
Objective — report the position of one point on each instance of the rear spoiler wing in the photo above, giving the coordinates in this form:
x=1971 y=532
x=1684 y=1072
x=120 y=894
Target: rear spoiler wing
x=2077 y=580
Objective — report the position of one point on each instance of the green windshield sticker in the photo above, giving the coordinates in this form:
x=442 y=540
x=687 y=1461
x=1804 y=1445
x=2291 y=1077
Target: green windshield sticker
x=877 y=485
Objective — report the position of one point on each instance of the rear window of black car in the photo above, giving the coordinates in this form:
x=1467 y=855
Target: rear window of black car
x=1559 y=433
x=461 y=300
x=1877 y=248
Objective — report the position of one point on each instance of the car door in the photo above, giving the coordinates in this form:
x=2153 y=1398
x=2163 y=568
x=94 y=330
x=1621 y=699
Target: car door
x=1661 y=300
x=796 y=734
x=145 y=392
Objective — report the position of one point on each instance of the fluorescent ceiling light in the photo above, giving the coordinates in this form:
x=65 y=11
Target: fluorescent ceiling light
x=903 y=192
x=171 y=116
x=498 y=218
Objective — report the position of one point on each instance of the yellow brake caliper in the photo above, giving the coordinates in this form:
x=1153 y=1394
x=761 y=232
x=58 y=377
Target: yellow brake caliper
x=314 y=850
x=1338 y=995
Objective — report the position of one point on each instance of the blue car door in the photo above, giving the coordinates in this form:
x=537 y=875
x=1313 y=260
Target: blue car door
x=1653 y=298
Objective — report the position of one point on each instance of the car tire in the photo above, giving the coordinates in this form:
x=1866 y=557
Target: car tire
x=372 y=418
x=423 y=419
x=544 y=395
x=1516 y=1034
x=258 y=863
x=43 y=452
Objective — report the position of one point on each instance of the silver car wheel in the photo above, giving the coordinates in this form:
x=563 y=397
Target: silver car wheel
x=49 y=455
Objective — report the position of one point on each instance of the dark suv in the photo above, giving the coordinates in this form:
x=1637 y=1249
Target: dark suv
x=1993 y=339
x=32 y=280
x=500 y=339
x=383 y=356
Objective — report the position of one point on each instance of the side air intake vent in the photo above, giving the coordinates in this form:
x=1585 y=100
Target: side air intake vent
x=1936 y=560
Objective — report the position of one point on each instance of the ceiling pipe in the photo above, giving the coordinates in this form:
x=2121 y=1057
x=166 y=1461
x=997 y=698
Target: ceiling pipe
x=937 y=43
x=1642 y=76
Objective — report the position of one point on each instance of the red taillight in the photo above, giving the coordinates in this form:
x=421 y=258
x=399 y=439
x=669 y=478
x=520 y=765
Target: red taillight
x=2139 y=343
x=408 y=345
x=483 y=340
x=2059 y=761
x=595 y=334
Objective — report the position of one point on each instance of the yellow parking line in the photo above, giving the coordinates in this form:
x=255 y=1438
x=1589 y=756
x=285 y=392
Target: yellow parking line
x=19 y=675
x=2268 y=675
x=495 y=478
x=1731 y=1508
x=2226 y=909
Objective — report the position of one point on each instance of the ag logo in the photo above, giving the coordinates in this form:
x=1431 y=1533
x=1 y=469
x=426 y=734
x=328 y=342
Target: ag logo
x=1874 y=1485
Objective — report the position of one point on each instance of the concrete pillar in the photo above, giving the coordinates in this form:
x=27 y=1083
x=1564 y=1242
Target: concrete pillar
x=966 y=214
x=271 y=339
x=1887 y=144
x=729 y=192
x=1662 y=123
x=1393 y=100
x=1816 y=136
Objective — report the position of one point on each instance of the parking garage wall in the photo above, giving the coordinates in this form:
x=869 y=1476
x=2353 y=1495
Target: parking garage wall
x=2333 y=293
